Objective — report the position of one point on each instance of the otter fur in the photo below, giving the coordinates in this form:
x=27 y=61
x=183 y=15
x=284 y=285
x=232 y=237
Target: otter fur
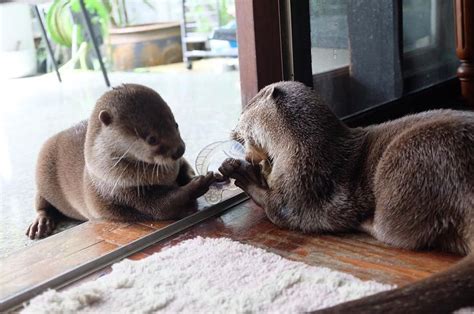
x=125 y=163
x=408 y=182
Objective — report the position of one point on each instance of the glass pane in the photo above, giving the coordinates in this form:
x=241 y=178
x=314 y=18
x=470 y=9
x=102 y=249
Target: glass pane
x=191 y=62
x=355 y=47
x=329 y=35
x=428 y=42
x=353 y=53
x=419 y=21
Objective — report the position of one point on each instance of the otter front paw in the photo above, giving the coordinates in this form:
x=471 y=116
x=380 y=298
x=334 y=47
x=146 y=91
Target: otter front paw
x=248 y=177
x=244 y=173
x=199 y=185
x=41 y=227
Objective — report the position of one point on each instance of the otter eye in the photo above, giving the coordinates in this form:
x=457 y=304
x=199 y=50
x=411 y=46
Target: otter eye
x=176 y=125
x=151 y=140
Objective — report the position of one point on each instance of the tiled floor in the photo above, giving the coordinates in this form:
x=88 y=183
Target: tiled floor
x=205 y=101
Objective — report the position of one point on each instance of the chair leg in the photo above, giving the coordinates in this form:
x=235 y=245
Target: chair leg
x=44 y=35
x=90 y=31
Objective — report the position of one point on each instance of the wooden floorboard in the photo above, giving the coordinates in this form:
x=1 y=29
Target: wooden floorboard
x=357 y=254
x=66 y=250
x=61 y=244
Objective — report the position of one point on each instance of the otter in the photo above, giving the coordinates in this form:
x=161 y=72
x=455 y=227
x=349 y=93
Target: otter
x=407 y=182
x=125 y=164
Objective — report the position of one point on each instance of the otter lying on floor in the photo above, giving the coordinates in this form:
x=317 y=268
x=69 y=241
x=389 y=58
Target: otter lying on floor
x=125 y=163
x=407 y=182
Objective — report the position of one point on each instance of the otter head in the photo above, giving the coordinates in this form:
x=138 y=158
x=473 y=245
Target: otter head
x=136 y=123
x=258 y=125
x=287 y=120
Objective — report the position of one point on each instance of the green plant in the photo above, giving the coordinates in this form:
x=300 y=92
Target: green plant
x=119 y=16
x=224 y=16
x=62 y=28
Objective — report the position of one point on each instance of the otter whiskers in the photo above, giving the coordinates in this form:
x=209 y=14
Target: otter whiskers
x=121 y=157
x=120 y=177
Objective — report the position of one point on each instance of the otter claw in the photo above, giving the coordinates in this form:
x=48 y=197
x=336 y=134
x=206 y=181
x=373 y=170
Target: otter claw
x=41 y=227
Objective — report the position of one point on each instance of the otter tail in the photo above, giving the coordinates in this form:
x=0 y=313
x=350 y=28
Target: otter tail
x=444 y=292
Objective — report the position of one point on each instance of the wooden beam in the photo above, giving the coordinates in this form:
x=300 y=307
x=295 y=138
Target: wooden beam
x=258 y=35
x=465 y=47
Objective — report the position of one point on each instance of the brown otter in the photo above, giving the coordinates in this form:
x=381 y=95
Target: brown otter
x=125 y=163
x=408 y=182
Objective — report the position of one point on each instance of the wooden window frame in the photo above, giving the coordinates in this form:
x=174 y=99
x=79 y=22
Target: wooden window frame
x=465 y=47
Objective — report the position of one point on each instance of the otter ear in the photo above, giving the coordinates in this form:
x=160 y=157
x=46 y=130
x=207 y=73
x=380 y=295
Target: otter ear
x=105 y=117
x=274 y=92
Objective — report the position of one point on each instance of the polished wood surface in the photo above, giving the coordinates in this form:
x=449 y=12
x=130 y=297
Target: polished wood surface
x=64 y=251
x=357 y=254
x=465 y=46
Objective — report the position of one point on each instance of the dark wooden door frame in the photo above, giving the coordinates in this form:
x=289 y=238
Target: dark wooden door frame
x=464 y=11
x=260 y=48
x=273 y=46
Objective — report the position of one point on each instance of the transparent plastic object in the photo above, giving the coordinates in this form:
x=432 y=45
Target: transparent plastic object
x=210 y=158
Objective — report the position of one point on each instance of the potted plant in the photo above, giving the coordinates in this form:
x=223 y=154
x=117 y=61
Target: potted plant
x=129 y=46
x=142 y=45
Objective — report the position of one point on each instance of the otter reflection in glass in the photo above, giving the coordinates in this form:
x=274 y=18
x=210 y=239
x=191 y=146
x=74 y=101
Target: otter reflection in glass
x=125 y=164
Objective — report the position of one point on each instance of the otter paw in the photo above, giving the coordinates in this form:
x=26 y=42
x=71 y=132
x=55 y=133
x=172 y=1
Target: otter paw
x=219 y=178
x=251 y=173
x=229 y=166
x=41 y=227
x=243 y=172
x=200 y=185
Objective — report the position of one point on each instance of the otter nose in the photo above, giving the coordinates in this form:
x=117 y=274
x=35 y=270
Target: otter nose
x=179 y=152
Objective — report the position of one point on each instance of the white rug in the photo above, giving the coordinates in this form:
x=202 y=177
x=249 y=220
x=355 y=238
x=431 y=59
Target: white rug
x=205 y=275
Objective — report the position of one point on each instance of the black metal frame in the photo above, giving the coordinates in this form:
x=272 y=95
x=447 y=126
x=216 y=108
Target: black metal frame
x=91 y=34
x=296 y=41
x=45 y=37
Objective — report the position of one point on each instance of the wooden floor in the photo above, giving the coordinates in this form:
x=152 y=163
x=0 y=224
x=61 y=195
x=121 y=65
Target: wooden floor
x=357 y=254
x=66 y=250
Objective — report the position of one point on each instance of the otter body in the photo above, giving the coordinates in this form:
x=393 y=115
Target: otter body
x=60 y=167
x=423 y=182
x=125 y=163
x=408 y=182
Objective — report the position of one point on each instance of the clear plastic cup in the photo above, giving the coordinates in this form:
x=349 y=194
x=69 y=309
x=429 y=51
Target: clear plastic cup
x=210 y=158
